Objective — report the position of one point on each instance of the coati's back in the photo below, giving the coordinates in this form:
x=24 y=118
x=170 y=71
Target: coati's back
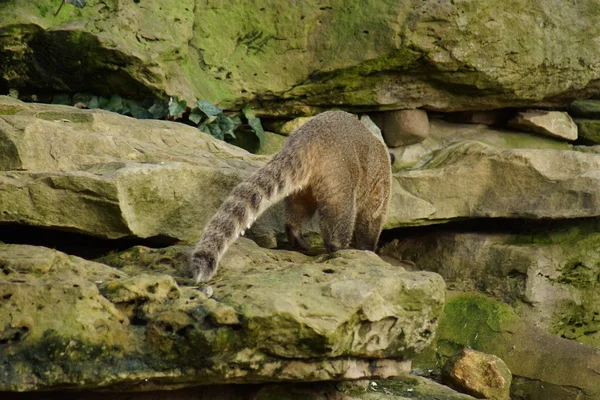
x=332 y=164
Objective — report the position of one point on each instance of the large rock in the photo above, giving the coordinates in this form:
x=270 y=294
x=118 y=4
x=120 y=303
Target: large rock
x=549 y=274
x=276 y=316
x=105 y=175
x=544 y=366
x=441 y=55
x=552 y=123
x=470 y=179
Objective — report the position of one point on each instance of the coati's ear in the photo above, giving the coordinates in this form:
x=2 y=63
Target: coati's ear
x=392 y=158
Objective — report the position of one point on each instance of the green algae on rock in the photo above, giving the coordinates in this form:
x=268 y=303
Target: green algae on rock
x=544 y=366
x=291 y=60
x=346 y=316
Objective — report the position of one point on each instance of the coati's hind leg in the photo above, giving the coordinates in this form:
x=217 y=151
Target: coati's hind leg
x=337 y=214
x=369 y=219
x=299 y=209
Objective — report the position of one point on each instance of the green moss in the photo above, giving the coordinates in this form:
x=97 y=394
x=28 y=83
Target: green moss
x=469 y=320
x=6 y=109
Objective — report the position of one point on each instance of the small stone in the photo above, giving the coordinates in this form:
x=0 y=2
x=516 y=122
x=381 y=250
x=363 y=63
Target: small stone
x=402 y=127
x=550 y=123
x=479 y=374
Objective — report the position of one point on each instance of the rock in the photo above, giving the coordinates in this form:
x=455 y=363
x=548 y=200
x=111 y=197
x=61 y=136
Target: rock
x=70 y=323
x=292 y=125
x=472 y=180
x=548 y=273
x=303 y=59
x=589 y=130
x=96 y=173
x=273 y=144
x=401 y=128
x=552 y=123
x=488 y=117
x=544 y=366
x=368 y=122
x=585 y=109
x=483 y=375
x=402 y=388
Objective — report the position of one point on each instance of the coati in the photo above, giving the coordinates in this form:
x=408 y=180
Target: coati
x=332 y=165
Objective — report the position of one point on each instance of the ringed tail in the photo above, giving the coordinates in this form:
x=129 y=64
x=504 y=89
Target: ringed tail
x=284 y=174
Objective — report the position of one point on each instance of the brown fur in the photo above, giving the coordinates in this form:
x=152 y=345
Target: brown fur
x=332 y=164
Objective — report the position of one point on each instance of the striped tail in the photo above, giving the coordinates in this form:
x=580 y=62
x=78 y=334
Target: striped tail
x=283 y=175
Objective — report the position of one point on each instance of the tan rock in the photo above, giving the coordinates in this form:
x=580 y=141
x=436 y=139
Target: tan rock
x=551 y=123
x=275 y=316
x=479 y=374
x=402 y=127
x=293 y=124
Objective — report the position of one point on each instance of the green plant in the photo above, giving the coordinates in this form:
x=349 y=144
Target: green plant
x=204 y=115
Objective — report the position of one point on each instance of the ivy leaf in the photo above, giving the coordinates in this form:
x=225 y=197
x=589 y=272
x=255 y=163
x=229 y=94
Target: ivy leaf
x=207 y=108
x=226 y=125
x=159 y=109
x=215 y=131
x=196 y=116
x=255 y=124
x=77 y=3
x=115 y=104
x=98 y=102
x=176 y=106
x=136 y=110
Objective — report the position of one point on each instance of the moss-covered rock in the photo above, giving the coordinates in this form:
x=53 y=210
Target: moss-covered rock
x=550 y=274
x=275 y=316
x=589 y=130
x=301 y=59
x=544 y=366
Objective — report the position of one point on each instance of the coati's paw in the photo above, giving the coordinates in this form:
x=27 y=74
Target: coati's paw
x=202 y=266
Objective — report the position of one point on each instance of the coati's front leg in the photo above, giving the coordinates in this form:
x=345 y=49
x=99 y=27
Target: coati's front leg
x=337 y=215
x=370 y=216
x=299 y=208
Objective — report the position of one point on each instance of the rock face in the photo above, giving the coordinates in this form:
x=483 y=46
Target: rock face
x=403 y=127
x=404 y=55
x=96 y=173
x=552 y=123
x=549 y=274
x=66 y=322
x=544 y=366
x=483 y=375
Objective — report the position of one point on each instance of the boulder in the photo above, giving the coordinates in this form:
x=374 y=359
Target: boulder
x=402 y=388
x=276 y=316
x=552 y=123
x=301 y=60
x=470 y=179
x=544 y=366
x=549 y=274
x=96 y=173
x=483 y=375
x=404 y=127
